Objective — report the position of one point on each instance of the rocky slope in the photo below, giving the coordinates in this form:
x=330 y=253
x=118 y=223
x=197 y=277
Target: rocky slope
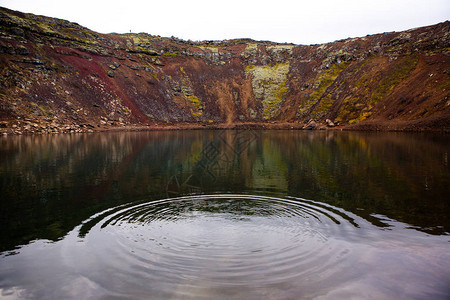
x=57 y=76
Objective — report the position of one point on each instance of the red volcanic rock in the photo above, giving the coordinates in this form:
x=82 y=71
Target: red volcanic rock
x=61 y=76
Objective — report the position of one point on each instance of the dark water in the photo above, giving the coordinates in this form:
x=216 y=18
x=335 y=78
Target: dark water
x=225 y=215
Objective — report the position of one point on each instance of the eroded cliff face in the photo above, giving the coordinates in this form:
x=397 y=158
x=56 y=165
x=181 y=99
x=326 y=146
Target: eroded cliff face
x=57 y=76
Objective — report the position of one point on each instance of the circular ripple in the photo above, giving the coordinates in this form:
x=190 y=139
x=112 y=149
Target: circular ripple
x=200 y=246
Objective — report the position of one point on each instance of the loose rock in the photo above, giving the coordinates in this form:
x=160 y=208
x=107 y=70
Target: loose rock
x=311 y=125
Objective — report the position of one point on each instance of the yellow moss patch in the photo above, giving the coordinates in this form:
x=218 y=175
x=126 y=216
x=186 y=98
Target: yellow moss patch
x=169 y=54
x=213 y=49
x=45 y=110
x=196 y=111
x=324 y=105
x=348 y=110
x=400 y=71
x=269 y=86
x=445 y=85
x=361 y=117
x=280 y=48
x=323 y=80
x=194 y=100
x=251 y=47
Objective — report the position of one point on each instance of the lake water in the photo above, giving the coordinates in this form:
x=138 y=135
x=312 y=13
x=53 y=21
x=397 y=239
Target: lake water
x=225 y=215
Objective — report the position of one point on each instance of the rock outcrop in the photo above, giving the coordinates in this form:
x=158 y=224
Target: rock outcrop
x=57 y=76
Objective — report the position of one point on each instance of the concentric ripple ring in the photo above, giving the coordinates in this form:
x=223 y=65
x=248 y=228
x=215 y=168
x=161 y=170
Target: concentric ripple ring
x=199 y=246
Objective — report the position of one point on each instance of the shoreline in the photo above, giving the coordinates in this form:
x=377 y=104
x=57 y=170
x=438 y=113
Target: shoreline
x=28 y=127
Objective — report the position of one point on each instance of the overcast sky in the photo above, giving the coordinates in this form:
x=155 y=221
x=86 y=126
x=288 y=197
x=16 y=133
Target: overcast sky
x=300 y=22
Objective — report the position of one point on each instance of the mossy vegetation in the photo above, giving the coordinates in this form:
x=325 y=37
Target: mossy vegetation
x=240 y=80
x=445 y=85
x=372 y=89
x=139 y=40
x=400 y=71
x=280 y=48
x=211 y=48
x=41 y=109
x=269 y=84
x=323 y=80
x=361 y=117
x=251 y=49
x=195 y=101
x=322 y=107
x=60 y=31
x=197 y=109
x=353 y=110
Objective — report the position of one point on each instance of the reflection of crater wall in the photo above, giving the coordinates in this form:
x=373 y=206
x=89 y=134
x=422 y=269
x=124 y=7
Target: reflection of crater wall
x=49 y=184
x=368 y=173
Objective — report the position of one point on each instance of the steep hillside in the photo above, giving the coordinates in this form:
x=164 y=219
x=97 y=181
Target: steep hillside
x=57 y=76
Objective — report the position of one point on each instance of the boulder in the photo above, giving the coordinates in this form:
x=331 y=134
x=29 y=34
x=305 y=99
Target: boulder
x=22 y=50
x=329 y=123
x=311 y=125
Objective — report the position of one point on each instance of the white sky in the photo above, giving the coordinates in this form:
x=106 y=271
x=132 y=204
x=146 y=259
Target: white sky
x=300 y=22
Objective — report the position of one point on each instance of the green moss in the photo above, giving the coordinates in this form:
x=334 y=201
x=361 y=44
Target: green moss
x=143 y=50
x=400 y=71
x=362 y=64
x=75 y=36
x=154 y=75
x=364 y=81
x=153 y=72
x=269 y=85
x=249 y=68
x=324 y=80
x=280 y=48
x=324 y=106
x=281 y=92
x=445 y=85
x=44 y=109
x=197 y=104
x=195 y=101
x=138 y=40
x=352 y=111
x=373 y=88
x=348 y=110
x=361 y=117
x=250 y=50
x=211 y=48
x=235 y=97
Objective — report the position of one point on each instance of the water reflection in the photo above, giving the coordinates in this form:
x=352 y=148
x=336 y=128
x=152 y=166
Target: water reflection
x=228 y=246
x=50 y=184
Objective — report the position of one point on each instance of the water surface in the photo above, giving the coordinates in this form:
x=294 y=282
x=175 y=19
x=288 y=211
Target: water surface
x=225 y=214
